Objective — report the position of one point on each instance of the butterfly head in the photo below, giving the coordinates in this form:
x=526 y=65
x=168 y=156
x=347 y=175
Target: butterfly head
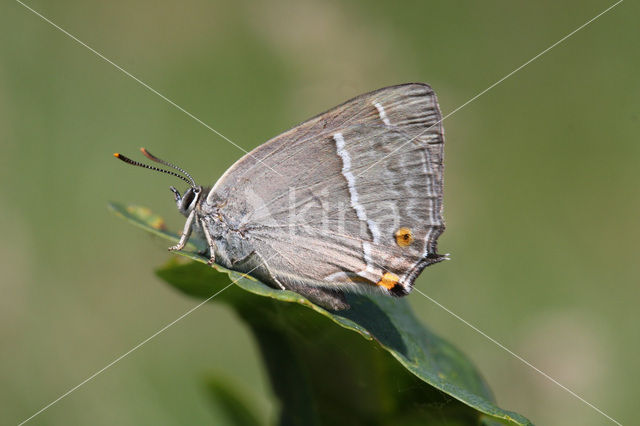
x=186 y=202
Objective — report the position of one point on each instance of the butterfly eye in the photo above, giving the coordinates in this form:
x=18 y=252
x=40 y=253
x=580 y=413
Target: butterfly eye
x=187 y=199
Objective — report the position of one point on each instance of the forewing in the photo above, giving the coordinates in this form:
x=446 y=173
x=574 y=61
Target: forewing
x=349 y=198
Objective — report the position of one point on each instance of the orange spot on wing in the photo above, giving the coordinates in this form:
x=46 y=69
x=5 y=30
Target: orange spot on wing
x=388 y=280
x=404 y=237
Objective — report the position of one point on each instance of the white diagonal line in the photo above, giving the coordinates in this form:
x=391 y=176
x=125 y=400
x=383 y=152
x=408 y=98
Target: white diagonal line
x=495 y=84
x=224 y=137
x=142 y=83
x=91 y=377
x=476 y=329
x=453 y=112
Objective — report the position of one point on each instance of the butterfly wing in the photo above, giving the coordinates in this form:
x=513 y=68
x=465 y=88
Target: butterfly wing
x=351 y=198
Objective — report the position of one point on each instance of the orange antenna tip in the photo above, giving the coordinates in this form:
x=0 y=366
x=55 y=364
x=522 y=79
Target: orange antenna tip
x=190 y=181
x=149 y=156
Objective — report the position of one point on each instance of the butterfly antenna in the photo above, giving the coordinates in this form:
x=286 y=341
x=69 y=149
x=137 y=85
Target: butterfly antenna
x=146 y=166
x=168 y=164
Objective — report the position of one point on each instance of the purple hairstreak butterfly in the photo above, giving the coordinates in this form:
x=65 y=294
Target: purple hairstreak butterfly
x=350 y=200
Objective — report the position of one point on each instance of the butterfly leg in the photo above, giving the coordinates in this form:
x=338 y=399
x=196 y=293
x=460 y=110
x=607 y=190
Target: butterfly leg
x=210 y=244
x=186 y=232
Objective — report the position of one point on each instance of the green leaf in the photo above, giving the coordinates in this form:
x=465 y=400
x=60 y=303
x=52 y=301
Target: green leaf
x=400 y=373
x=231 y=405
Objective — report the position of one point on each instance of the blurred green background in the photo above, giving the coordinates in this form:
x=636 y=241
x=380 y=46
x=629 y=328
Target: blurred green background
x=541 y=195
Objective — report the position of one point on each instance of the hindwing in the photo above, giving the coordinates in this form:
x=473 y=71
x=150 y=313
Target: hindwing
x=350 y=199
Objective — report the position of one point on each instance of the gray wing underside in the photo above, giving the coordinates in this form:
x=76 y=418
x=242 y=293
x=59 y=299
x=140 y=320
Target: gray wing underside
x=323 y=202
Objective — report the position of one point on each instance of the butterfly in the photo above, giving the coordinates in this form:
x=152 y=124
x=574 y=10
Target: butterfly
x=349 y=200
